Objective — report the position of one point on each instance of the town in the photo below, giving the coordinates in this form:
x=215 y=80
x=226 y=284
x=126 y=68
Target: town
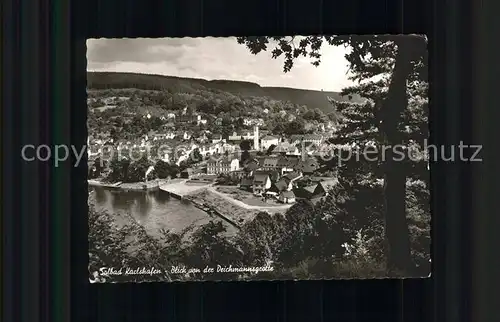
x=272 y=166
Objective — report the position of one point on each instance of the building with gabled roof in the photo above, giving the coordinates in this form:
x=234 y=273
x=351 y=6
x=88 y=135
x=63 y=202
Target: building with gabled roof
x=223 y=165
x=261 y=182
x=246 y=184
x=267 y=141
x=287 y=197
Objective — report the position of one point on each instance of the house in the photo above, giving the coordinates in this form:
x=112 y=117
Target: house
x=251 y=166
x=226 y=147
x=217 y=148
x=313 y=138
x=282 y=184
x=166 y=155
x=200 y=120
x=224 y=165
x=216 y=138
x=205 y=150
x=261 y=182
x=269 y=164
x=287 y=197
x=263 y=132
x=306 y=192
x=293 y=176
x=247 y=135
x=285 y=148
x=274 y=175
x=202 y=137
x=323 y=187
x=252 y=121
x=310 y=147
x=286 y=165
x=163 y=136
x=186 y=118
x=307 y=165
x=187 y=173
x=267 y=141
x=246 y=184
x=235 y=137
x=247 y=122
x=187 y=136
x=239 y=174
x=295 y=139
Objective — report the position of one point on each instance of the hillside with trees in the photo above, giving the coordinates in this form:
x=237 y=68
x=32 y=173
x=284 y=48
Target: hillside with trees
x=309 y=98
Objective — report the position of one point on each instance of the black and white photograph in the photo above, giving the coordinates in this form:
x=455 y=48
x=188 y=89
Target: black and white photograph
x=258 y=158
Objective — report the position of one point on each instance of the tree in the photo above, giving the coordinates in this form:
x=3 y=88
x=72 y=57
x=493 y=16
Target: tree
x=279 y=128
x=245 y=145
x=99 y=166
x=210 y=246
x=163 y=169
x=137 y=170
x=271 y=149
x=403 y=60
x=240 y=123
x=295 y=127
x=119 y=169
x=196 y=156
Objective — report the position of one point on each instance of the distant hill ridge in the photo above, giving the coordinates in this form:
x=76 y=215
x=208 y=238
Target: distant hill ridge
x=310 y=98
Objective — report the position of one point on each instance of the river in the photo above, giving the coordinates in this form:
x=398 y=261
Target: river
x=154 y=209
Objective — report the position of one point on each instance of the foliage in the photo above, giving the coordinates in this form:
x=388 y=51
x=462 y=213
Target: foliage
x=166 y=170
x=245 y=145
x=137 y=170
x=391 y=72
x=119 y=109
x=227 y=180
x=211 y=97
x=119 y=169
x=271 y=149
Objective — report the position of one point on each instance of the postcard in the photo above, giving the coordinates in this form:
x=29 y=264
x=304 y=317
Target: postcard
x=258 y=158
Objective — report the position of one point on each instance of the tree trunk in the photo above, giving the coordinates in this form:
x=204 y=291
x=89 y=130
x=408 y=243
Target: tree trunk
x=396 y=225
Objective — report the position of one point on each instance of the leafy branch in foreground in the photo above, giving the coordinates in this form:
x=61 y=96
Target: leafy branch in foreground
x=386 y=68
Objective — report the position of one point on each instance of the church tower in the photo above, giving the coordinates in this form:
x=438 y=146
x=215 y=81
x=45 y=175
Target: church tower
x=256 y=138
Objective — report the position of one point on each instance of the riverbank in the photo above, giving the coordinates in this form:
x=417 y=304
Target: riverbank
x=213 y=212
x=129 y=186
x=232 y=212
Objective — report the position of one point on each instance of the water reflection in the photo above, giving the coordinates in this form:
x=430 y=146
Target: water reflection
x=143 y=204
x=154 y=210
x=100 y=195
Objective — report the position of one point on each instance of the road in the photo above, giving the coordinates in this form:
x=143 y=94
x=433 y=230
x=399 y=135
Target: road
x=244 y=205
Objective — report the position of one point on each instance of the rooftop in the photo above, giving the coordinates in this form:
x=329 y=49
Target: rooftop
x=260 y=177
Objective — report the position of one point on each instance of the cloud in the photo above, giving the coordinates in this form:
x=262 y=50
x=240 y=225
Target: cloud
x=112 y=51
x=216 y=58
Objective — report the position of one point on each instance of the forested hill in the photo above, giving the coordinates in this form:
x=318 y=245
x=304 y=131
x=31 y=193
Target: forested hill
x=312 y=99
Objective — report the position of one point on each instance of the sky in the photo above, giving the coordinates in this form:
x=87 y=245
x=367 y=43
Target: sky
x=216 y=58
